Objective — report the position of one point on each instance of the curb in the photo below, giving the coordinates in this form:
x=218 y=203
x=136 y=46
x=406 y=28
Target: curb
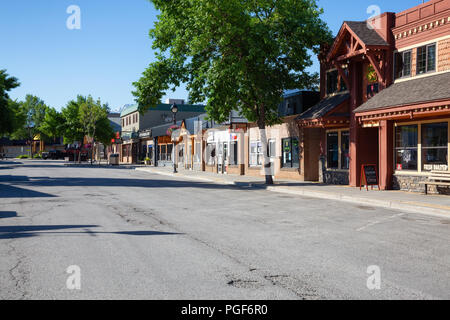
x=394 y=205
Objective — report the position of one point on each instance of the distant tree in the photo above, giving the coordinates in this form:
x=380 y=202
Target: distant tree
x=85 y=117
x=33 y=109
x=53 y=124
x=90 y=113
x=105 y=131
x=234 y=54
x=8 y=108
x=73 y=129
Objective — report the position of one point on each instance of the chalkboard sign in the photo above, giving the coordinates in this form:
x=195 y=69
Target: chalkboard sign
x=369 y=176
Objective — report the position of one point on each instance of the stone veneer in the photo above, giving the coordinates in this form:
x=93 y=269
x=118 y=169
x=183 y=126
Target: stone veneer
x=332 y=176
x=412 y=183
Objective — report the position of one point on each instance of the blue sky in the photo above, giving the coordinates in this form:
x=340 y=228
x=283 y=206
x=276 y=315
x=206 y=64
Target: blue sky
x=111 y=49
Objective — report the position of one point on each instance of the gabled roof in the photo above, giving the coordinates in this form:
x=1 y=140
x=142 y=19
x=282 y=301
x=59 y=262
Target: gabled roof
x=164 y=107
x=129 y=109
x=324 y=107
x=365 y=37
x=369 y=36
x=426 y=89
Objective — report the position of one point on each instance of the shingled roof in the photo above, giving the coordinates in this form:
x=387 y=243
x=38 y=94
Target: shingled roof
x=369 y=36
x=427 y=89
x=324 y=106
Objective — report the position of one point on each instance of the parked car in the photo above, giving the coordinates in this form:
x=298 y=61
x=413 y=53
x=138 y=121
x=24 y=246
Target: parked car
x=55 y=155
x=45 y=155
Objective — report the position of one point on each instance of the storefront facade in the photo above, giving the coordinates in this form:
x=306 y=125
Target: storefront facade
x=394 y=71
x=413 y=114
x=283 y=150
x=225 y=150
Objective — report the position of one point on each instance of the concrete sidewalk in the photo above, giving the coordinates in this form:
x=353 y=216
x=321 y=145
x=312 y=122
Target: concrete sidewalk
x=438 y=205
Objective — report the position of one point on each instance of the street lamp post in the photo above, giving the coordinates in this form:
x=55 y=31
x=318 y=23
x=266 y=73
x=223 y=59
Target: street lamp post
x=174 y=110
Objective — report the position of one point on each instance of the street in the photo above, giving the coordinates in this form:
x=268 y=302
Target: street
x=137 y=235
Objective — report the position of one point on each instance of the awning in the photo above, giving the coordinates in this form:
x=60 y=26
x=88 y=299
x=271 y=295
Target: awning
x=332 y=110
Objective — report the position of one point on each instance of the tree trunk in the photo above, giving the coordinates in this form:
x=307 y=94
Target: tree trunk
x=263 y=136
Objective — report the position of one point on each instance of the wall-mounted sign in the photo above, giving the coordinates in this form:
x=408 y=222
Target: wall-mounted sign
x=145 y=134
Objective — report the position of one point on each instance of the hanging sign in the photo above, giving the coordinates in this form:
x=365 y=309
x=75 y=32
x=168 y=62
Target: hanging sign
x=369 y=176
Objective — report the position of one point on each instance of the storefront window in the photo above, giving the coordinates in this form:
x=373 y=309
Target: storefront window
x=333 y=150
x=256 y=155
x=233 y=153
x=198 y=152
x=435 y=146
x=165 y=152
x=162 y=152
x=210 y=153
x=169 y=152
x=345 y=150
x=406 y=147
x=271 y=148
x=290 y=153
x=225 y=151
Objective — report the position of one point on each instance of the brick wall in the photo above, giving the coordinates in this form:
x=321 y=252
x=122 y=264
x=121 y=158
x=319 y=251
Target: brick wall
x=444 y=55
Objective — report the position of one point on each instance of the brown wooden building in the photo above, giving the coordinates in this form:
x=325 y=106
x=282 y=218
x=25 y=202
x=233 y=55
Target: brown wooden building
x=379 y=80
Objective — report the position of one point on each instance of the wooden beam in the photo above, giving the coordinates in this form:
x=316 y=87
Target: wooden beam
x=342 y=74
x=350 y=55
x=376 y=66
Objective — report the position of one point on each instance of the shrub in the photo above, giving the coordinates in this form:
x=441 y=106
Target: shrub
x=37 y=156
x=23 y=156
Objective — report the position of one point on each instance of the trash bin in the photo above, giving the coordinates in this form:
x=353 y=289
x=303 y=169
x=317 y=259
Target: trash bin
x=114 y=159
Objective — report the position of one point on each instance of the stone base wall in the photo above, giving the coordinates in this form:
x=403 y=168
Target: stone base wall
x=336 y=177
x=412 y=183
x=332 y=176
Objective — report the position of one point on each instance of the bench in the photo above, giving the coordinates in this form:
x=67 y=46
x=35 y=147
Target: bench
x=437 y=178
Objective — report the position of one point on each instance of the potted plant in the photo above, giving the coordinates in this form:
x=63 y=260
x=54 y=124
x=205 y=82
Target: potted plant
x=147 y=161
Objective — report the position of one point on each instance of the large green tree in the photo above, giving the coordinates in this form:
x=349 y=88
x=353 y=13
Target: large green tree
x=234 y=54
x=8 y=109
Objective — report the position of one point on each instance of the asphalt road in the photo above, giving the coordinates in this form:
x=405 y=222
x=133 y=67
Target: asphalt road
x=135 y=235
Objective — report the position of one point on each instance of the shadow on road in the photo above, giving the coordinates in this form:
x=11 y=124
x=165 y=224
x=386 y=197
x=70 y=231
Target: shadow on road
x=8 y=214
x=114 y=182
x=7 y=191
x=15 y=232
